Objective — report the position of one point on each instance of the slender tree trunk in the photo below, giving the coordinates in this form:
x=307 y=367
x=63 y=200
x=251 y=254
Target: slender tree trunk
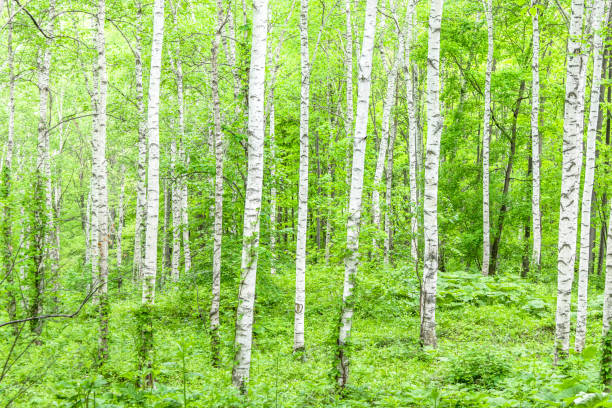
x=218 y=223
x=486 y=139
x=388 y=195
x=43 y=210
x=121 y=221
x=388 y=105
x=435 y=123
x=5 y=189
x=141 y=192
x=252 y=207
x=606 y=360
x=300 y=248
x=412 y=140
x=185 y=217
x=152 y=211
x=99 y=165
x=589 y=178
x=507 y=179
x=348 y=62
x=166 y=237
x=351 y=261
x=570 y=182
x=272 y=133
x=535 y=139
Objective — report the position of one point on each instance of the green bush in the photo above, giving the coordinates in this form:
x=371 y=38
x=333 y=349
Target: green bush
x=477 y=367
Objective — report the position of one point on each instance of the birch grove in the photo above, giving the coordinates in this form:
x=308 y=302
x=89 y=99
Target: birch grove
x=408 y=175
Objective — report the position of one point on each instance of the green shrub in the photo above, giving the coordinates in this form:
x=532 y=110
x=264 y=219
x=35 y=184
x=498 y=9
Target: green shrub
x=478 y=367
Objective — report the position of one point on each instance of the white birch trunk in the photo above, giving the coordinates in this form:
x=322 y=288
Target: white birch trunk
x=185 y=221
x=152 y=216
x=99 y=165
x=412 y=139
x=121 y=219
x=388 y=105
x=388 y=195
x=176 y=213
x=535 y=139
x=348 y=62
x=302 y=227
x=356 y=191
x=430 y=201
x=272 y=134
x=141 y=193
x=589 y=177
x=486 y=139
x=252 y=205
x=219 y=153
x=570 y=182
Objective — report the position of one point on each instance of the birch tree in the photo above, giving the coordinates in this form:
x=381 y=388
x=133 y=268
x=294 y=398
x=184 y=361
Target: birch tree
x=100 y=174
x=570 y=181
x=302 y=227
x=219 y=153
x=535 y=137
x=351 y=261
x=486 y=138
x=388 y=105
x=412 y=138
x=589 y=177
x=348 y=62
x=252 y=204
x=606 y=360
x=430 y=202
x=141 y=193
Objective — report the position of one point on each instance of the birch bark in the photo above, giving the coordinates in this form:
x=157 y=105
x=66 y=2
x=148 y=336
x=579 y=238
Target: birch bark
x=535 y=138
x=430 y=201
x=302 y=227
x=141 y=192
x=486 y=138
x=152 y=215
x=354 y=215
x=589 y=177
x=252 y=207
x=219 y=153
x=99 y=165
x=412 y=138
x=388 y=105
x=570 y=181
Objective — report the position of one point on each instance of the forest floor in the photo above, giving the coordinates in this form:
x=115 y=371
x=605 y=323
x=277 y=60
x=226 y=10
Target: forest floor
x=495 y=343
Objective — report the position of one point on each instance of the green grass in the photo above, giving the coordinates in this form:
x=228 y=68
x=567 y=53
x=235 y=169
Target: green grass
x=495 y=348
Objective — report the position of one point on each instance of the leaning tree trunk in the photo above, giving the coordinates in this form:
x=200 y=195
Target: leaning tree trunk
x=486 y=139
x=430 y=202
x=152 y=215
x=218 y=223
x=354 y=216
x=535 y=140
x=388 y=105
x=252 y=204
x=589 y=178
x=570 y=182
x=302 y=227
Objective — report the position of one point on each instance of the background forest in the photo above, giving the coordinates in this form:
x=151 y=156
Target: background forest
x=315 y=203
